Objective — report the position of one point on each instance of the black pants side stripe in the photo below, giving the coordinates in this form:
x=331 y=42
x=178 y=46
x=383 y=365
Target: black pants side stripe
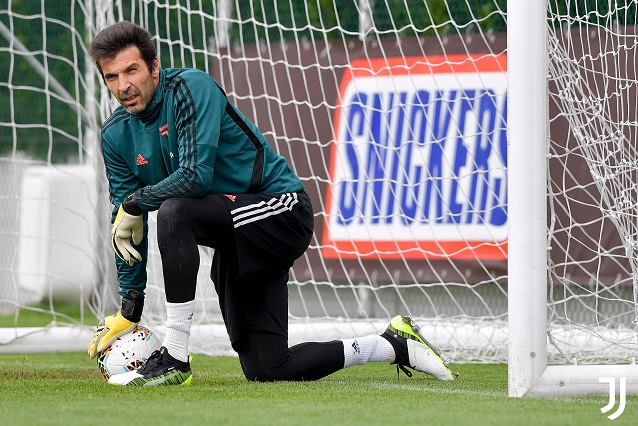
x=258 y=211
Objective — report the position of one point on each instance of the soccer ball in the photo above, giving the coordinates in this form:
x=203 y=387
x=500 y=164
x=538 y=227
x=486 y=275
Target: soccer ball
x=128 y=352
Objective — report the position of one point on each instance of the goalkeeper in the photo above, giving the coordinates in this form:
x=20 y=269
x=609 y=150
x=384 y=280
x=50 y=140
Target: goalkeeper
x=178 y=145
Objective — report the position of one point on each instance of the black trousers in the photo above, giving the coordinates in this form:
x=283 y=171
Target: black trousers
x=256 y=238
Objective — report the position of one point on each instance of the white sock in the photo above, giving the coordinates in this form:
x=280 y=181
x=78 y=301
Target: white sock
x=178 y=329
x=367 y=349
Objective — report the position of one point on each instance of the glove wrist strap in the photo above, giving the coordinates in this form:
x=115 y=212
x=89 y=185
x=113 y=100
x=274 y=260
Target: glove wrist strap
x=132 y=309
x=130 y=206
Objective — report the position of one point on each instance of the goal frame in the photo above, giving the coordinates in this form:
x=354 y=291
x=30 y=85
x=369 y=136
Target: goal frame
x=529 y=375
x=528 y=244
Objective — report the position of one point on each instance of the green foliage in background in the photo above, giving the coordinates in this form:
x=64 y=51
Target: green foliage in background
x=40 y=125
x=272 y=20
x=45 y=128
x=599 y=12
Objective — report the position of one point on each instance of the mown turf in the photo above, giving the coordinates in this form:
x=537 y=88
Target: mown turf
x=42 y=314
x=67 y=389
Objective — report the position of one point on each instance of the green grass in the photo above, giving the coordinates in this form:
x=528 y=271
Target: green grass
x=67 y=389
x=42 y=314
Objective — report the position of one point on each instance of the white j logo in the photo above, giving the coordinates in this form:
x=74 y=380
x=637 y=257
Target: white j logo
x=612 y=396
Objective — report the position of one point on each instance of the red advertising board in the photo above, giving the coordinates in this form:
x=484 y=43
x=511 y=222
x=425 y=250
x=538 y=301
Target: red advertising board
x=418 y=167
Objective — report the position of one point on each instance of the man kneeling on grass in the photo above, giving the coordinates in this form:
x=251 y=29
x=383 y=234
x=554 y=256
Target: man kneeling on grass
x=178 y=145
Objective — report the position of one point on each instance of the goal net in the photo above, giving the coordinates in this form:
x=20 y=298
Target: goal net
x=394 y=114
x=593 y=181
x=572 y=278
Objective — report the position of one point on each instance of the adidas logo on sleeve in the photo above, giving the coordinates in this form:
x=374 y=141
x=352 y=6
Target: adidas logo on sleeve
x=140 y=161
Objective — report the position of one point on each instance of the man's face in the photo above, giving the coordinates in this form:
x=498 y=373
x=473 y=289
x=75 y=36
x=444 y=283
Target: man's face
x=128 y=78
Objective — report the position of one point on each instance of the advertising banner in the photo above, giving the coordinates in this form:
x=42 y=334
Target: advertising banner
x=418 y=166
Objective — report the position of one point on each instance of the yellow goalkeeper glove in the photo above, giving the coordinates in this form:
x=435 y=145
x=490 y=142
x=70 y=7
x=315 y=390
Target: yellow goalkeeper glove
x=125 y=226
x=109 y=329
x=114 y=326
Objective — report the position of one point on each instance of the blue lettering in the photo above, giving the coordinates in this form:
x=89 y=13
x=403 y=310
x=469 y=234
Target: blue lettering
x=434 y=172
x=377 y=151
x=398 y=141
x=499 y=210
x=410 y=189
x=485 y=130
x=419 y=117
x=456 y=208
x=417 y=133
x=415 y=154
x=349 y=188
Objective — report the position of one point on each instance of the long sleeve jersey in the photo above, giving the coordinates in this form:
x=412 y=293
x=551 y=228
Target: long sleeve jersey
x=190 y=141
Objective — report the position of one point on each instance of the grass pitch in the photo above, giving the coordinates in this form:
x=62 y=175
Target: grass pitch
x=67 y=389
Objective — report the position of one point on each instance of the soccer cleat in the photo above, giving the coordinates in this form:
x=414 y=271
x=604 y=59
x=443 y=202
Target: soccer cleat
x=160 y=369
x=414 y=351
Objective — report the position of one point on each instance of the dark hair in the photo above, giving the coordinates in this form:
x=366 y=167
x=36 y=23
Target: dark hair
x=112 y=40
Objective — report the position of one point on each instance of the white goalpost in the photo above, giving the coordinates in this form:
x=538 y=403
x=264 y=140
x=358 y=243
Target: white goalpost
x=553 y=59
x=470 y=165
x=527 y=170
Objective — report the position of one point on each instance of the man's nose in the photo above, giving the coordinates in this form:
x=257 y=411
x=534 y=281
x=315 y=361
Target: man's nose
x=124 y=83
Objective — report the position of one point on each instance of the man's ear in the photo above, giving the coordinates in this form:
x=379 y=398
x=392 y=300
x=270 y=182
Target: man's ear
x=156 y=67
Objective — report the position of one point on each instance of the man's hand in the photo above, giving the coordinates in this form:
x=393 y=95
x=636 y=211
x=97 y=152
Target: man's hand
x=109 y=329
x=125 y=226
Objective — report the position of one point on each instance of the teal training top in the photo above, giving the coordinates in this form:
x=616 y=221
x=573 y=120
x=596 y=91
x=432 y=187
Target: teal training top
x=190 y=141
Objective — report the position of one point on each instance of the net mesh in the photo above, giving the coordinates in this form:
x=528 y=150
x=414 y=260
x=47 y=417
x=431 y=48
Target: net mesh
x=592 y=181
x=393 y=113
